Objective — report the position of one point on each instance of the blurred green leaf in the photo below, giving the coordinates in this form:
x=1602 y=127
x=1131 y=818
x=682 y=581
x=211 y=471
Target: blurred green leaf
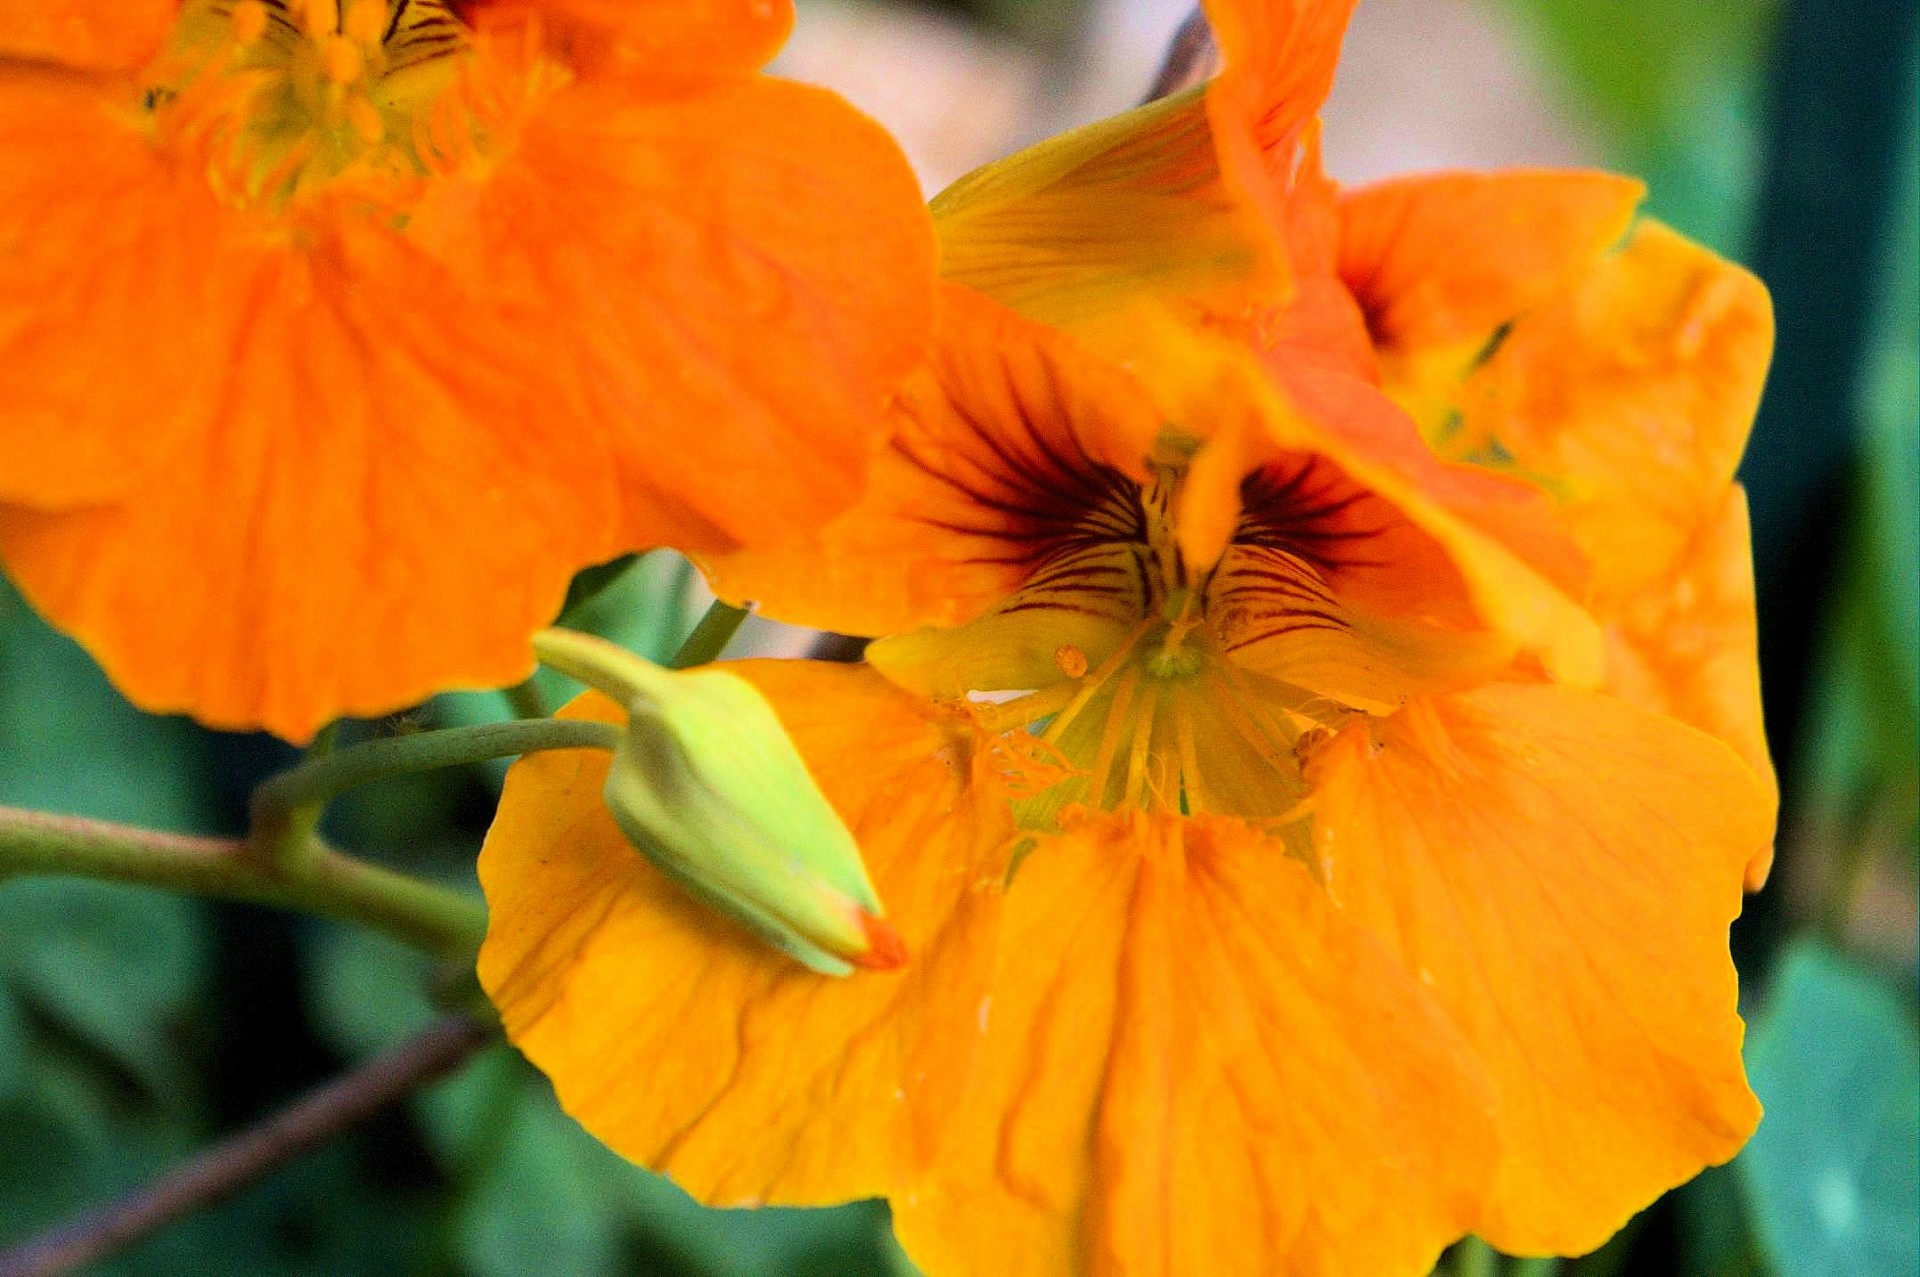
x=1863 y=754
x=533 y=1192
x=62 y=1146
x=1641 y=63
x=117 y=967
x=69 y=743
x=13 y=1046
x=541 y=1205
x=1672 y=87
x=1831 y=1175
x=1715 y=1237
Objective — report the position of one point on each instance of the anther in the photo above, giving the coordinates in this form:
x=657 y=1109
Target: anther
x=321 y=18
x=341 y=60
x=1071 y=660
x=364 y=118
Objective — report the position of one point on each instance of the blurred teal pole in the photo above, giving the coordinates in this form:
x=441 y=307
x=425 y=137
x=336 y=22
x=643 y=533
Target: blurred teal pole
x=1842 y=99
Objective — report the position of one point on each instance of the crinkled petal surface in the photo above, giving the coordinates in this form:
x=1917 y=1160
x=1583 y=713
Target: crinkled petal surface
x=94 y=35
x=1688 y=647
x=1279 y=60
x=1561 y=868
x=366 y=505
x=1631 y=397
x=733 y=282
x=1438 y=260
x=1195 y=1065
x=701 y=35
x=109 y=276
x=1623 y=382
x=1086 y=223
x=1010 y=415
x=687 y=1045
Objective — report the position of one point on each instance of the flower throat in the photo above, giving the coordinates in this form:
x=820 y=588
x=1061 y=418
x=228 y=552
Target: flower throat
x=287 y=95
x=1159 y=698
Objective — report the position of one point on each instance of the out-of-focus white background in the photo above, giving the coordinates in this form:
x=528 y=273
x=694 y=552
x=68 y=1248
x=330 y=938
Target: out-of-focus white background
x=1423 y=83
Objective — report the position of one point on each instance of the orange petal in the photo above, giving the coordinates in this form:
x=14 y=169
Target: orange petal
x=1560 y=868
x=1011 y=420
x=651 y=38
x=1086 y=224
x=1439 y=260
x=1631 y=397
x=1687 y=647
x=109 y=259
x=1279 y=60
x=94 y=35
x=1322 y=324
x=733 y=281
x=369 y=504
x=685 y=1044
x=1193 y=1065
x=1494 y=539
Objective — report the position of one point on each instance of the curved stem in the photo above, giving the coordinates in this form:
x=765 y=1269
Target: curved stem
x=225 y=1169
x=710 y=637
x=525 y=700
x=283 y=804
x=437 y=919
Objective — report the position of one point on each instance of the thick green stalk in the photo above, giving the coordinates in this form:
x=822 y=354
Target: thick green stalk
x=286 y=807
x=710 y=637
x=1474 y=1258
x=322 y=881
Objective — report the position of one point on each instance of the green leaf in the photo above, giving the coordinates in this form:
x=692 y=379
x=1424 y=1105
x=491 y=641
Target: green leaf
x=70 y=743
x=1673 y=88
x=118 y=967
x=1831 y=1176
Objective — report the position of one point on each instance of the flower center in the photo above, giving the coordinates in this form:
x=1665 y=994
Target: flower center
x=1167 y=693
x=286 y=95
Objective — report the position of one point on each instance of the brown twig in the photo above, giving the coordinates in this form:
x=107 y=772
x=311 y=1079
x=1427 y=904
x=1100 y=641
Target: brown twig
x=225 y=1169
x=1192 y=57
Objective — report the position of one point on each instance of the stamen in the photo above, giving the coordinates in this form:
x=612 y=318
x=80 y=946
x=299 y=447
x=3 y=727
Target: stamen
x=1091 y=685
x=1118 y=721
x=1137 y=757
x=321 y=18
x=364 y=118
x=341 y=60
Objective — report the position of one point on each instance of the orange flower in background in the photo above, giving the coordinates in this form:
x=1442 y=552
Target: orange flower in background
x=1313 y=760
x=334 y=337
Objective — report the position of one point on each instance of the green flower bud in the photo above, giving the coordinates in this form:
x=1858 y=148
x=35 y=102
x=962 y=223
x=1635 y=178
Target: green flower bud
x=708 y=786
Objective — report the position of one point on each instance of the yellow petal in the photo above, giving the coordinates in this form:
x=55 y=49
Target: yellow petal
x=1088 y=222
x=686 y=1044
x=1688 y=646
x=1561 y=868
x=1194 y=1065
x=1630 y=397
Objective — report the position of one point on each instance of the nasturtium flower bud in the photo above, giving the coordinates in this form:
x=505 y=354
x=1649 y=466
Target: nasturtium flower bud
x=707 y=785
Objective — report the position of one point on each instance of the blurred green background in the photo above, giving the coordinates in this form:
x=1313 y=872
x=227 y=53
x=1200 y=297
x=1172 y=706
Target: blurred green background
x=136 y=1028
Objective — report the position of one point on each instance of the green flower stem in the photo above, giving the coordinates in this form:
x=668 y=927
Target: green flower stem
x=286 y=807
x=525 y=700
x=1474 y=1258
x=710 y=637
x=437 y=919
x=1538 y=1266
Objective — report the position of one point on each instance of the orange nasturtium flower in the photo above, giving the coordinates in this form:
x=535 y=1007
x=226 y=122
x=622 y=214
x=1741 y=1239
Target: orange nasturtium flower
x=1313 y=759
x=335 y=335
